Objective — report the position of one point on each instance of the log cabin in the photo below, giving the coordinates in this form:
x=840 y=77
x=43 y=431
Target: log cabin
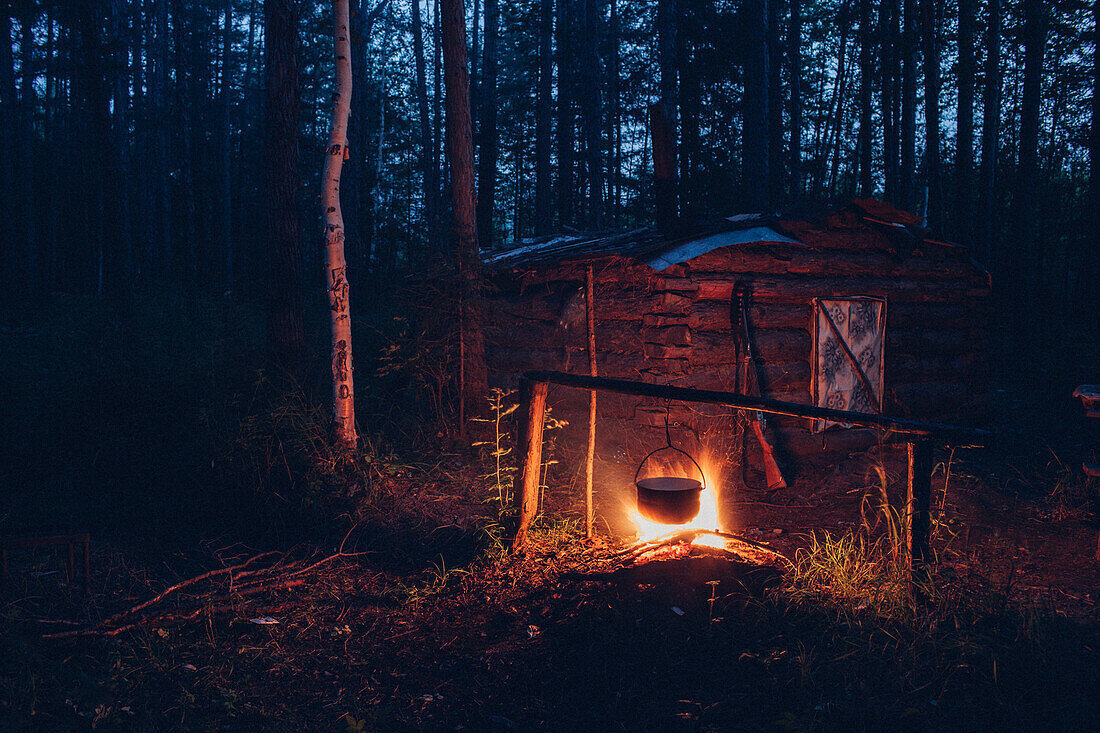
x=857 y=308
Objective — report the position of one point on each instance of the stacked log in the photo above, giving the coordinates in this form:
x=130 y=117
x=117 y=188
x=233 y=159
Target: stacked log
x=674 y=327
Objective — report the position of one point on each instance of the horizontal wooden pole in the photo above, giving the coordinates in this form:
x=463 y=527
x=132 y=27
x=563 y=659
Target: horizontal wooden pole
x=951 y=434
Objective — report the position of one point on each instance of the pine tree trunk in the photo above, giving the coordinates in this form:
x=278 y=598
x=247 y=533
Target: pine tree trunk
x=668 y=21
x=336 y=270
x=460 y=149
x=830 y=154
x=667 y=27
x=991 y=116
x=906 y=189
x=794 y=49
x=475 y=68
x=163 y=208
x=543 y=102
x=94 y=111
x=838 y=126
x=438 y=161
x=284 y=313
x=8 y=119
x=143 y=233
x=53 y=157
x=775 y=106
x=963 y=214
x=1025 y=261
x=591 y=108
x=891 y=77
x=932 y=115
x=227 y=146
x=689 y=95
x=31 y=263
x=866 y=82
x=754 y=158
x=615 y=127
x=664 y=167
x=489 y=141
x=427 y=164
x=566 y=122
x=120 y=153
x=1091 y=254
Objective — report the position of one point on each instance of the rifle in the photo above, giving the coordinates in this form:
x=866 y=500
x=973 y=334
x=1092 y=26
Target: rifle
x=739 y=319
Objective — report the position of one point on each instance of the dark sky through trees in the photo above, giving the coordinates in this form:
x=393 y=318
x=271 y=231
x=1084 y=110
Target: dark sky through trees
x=138 y=130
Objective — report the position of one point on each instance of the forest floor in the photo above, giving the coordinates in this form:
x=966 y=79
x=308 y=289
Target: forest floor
x=435 y=627
x=397 y=607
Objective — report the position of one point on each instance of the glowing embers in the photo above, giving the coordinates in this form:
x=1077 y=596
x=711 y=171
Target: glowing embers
x=706 y=518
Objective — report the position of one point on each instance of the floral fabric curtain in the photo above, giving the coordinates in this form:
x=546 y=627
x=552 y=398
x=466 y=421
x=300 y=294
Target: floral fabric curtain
x=848 y=355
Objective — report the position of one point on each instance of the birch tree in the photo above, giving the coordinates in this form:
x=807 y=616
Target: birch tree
x=336 y=280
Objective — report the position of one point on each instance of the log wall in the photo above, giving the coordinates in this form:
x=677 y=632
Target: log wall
x=674 y=327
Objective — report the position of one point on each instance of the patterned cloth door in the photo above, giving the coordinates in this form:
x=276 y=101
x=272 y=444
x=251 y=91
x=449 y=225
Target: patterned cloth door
x=847 y=355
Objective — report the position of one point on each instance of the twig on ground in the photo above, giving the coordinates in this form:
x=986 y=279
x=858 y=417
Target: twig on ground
x=101 y=630
x=179 y=586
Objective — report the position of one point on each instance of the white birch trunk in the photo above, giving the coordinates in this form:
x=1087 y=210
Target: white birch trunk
x=343 y=393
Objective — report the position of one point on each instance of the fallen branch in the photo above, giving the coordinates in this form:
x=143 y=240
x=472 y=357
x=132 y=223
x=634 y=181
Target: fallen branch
x=271 y=578
x=180 y=586
x=101 y=630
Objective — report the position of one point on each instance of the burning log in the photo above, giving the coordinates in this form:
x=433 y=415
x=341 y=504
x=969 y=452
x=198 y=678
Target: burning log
x=711 y=542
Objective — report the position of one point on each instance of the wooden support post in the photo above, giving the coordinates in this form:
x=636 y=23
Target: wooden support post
x=590 y=307
x=918 y=512
x=532 y=410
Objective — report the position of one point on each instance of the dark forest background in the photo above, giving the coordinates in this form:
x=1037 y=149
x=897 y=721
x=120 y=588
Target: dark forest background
x=134 y=130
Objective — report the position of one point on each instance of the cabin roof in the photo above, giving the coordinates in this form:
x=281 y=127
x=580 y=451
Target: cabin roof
x=860 y=225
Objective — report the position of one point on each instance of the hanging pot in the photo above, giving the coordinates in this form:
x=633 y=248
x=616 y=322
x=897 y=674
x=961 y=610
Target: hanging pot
x=669 y=499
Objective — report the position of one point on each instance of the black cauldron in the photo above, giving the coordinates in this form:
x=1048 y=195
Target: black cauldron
x=669 y=499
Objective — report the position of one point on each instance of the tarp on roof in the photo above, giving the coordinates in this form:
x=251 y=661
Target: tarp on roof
x=645 y=244
x=696 y=247
x=863 y=224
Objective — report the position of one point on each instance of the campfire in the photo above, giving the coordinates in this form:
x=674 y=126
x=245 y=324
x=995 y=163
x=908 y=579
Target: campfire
x=705 y=519
x=702 y=533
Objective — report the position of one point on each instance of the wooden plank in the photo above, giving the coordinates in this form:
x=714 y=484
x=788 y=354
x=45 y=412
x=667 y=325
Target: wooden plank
x=799 y=261
x=802 y=289
x=948 y=433
x=918 y=513
x=532 y=408
x=589 y=299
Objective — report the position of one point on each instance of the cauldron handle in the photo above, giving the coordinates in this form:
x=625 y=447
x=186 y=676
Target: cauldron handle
x=678 y=450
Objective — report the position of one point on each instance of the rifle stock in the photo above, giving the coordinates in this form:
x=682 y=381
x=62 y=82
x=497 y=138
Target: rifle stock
x=771 y=470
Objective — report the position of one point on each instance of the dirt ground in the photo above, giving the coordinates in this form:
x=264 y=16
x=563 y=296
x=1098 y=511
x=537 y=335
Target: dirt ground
x=1043 y=547
x=424 y=623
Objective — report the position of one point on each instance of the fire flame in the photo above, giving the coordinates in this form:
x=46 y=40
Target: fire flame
x=707 y=518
